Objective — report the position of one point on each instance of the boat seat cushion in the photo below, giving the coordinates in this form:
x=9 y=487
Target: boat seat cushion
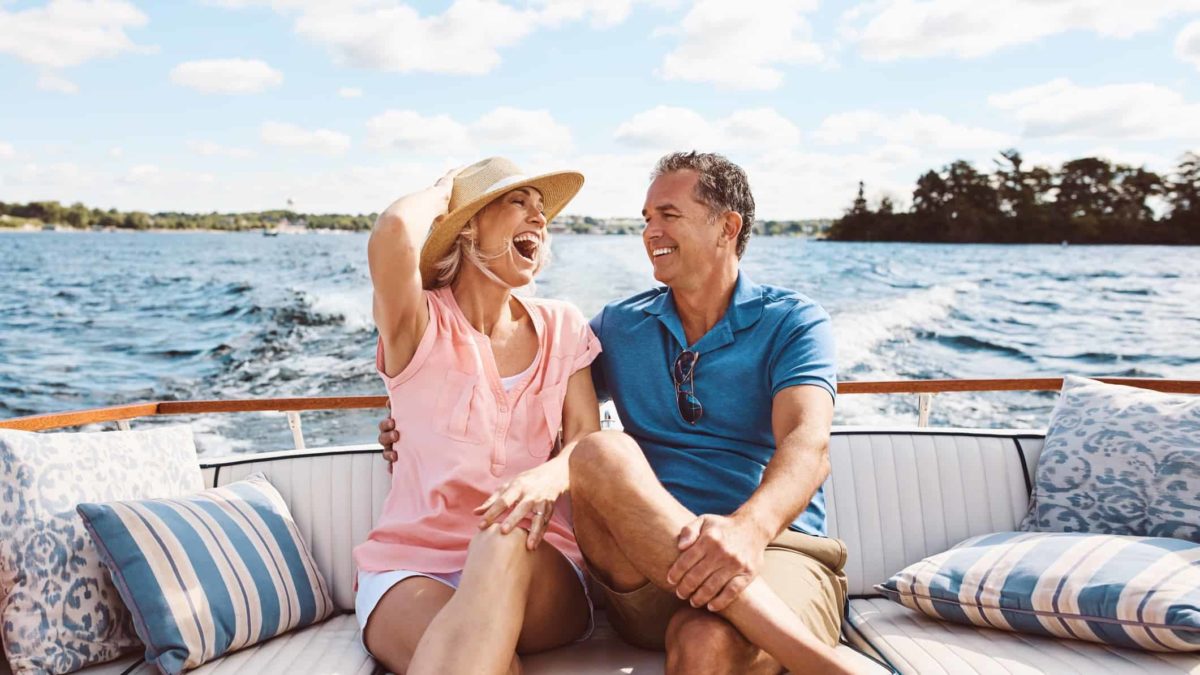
x=1119 y=460
x=59 y=611
x=209 y=573
x=334 y=647
x=1135 y=592
x=914 y=643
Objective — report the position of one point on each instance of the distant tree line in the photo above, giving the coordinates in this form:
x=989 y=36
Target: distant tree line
x=1088 y=200
x=79 y=216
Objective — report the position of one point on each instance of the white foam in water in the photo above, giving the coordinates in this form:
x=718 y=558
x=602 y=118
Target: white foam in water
x=213 y=438
x=354 y=306
x=859 y=333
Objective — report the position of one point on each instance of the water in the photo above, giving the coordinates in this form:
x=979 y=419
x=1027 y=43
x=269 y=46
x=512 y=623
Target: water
x=92 y=319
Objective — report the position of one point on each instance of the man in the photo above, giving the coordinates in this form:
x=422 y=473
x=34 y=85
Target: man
x=704 y=522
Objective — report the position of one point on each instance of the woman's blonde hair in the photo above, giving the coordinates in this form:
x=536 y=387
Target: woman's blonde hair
x=466 y=248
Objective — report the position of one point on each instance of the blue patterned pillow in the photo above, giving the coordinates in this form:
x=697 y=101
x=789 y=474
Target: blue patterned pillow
x=1135 y=592
x=59 y=610
x=209 y=573
x=1119 y=460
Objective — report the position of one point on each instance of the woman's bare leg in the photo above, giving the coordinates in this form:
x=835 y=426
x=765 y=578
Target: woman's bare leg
x=488 y=611
x=556 y=609
x=400 y=619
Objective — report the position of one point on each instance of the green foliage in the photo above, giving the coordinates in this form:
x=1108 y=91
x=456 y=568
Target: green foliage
x=1087 y=200
x=81 y=217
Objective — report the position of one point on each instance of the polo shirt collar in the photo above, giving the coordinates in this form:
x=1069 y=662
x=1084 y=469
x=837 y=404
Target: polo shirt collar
x=745 y=308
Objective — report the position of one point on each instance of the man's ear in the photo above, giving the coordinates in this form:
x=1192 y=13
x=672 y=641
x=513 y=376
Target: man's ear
x=731 y=226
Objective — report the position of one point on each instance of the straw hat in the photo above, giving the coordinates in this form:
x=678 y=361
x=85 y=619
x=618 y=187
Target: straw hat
x=479 y=184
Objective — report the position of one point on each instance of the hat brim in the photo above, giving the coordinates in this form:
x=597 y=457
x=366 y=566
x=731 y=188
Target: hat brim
x=557 y=190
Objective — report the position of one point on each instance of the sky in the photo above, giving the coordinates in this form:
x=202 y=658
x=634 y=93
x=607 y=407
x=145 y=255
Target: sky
x=340 y=107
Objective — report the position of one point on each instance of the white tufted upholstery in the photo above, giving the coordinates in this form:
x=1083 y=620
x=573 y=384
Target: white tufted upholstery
x=896 y=497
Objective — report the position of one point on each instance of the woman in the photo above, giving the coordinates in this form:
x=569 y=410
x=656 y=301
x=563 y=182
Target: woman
x=473 y=547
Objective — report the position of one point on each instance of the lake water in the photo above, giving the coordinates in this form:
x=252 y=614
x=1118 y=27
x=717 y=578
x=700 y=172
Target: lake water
x=91 y=319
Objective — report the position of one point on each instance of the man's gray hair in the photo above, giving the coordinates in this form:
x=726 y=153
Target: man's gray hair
x=722 y=186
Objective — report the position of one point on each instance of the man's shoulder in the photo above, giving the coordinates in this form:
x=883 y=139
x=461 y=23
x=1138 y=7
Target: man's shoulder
x=787 y=305
x=634 y=305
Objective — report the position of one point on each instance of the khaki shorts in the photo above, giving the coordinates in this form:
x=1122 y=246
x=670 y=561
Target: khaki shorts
x=803 y=570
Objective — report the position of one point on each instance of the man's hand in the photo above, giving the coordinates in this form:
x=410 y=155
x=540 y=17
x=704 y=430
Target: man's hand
x=388 y=437
x=720 y=556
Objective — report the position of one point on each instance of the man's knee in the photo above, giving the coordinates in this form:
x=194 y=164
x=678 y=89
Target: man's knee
x=602 y=455
x=699 y=641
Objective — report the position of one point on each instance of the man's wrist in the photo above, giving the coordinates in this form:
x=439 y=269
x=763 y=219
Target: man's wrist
x=762 y=526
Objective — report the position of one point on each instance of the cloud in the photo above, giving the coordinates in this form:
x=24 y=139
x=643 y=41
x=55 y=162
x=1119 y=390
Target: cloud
x=350 y=92
x=288 y=135
x=741 y=45
x=502 y=129
x=57 y=84
x=1063 y=110
x=465 y=39
x=394 y=37
x=7 y=151
x=410 y=131
x=895 y=29
x=1187 y=45
x=665 y=128
x=532 y=130
x=226 y=76
x=210 y=149
x=116 y=152
x=913 y=128
x=66 y=33
x=602 y=13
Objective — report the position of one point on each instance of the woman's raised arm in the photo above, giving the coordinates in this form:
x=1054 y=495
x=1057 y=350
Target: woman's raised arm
x=394 y=256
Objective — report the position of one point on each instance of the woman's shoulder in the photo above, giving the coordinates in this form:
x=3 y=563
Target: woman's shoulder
x=556 y=311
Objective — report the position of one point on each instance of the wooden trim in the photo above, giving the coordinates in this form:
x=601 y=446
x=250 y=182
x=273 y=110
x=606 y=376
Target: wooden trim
x=271 y=404
x=1035 y=384
x=132 y=411
x=79 y=417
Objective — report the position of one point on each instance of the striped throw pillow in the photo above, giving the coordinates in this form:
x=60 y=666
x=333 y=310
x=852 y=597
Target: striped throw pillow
x=209 y=573
x=1139 y=592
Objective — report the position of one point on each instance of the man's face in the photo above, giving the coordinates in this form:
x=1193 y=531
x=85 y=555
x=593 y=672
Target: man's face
x=681 y=236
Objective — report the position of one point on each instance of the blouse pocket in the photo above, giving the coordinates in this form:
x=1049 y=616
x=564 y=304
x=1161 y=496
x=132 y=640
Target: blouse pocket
x=546 y=422
x=458 y=407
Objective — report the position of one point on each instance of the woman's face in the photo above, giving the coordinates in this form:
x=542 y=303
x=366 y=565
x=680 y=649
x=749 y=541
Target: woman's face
x=512 y=235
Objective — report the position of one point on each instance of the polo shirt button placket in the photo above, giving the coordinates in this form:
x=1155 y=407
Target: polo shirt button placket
x=499 y=458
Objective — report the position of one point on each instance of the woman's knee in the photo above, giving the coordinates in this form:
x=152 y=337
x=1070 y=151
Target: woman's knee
x=492 y=545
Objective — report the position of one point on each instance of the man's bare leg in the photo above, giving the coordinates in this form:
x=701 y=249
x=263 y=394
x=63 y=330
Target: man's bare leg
x=627 y=525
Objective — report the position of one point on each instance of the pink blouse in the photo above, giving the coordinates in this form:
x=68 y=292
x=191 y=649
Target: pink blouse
x=462 y=435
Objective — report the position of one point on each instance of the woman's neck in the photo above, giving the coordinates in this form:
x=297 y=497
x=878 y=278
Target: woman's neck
x=484 y=303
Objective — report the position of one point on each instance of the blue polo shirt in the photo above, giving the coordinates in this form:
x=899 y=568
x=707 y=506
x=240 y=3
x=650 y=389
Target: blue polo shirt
x=769 y=339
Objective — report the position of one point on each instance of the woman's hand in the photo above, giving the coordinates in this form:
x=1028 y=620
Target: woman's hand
x=445 y=186
x=532 y=493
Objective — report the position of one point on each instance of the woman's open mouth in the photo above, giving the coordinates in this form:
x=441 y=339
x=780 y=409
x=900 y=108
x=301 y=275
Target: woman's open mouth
x=526 y=245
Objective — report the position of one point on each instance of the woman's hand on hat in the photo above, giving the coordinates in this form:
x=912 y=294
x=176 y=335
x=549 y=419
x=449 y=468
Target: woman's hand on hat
x=447 y=181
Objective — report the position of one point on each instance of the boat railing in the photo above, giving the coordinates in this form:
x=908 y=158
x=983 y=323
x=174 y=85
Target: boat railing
x=292 y=407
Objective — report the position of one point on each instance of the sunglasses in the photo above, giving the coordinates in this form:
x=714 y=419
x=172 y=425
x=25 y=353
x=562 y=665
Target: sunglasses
x=684 y=374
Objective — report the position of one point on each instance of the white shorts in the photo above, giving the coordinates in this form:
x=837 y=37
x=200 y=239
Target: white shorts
x=373 y=585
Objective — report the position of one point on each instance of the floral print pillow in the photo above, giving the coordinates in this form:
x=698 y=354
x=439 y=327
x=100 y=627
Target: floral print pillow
x=1119 y=460
x=59 y=611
